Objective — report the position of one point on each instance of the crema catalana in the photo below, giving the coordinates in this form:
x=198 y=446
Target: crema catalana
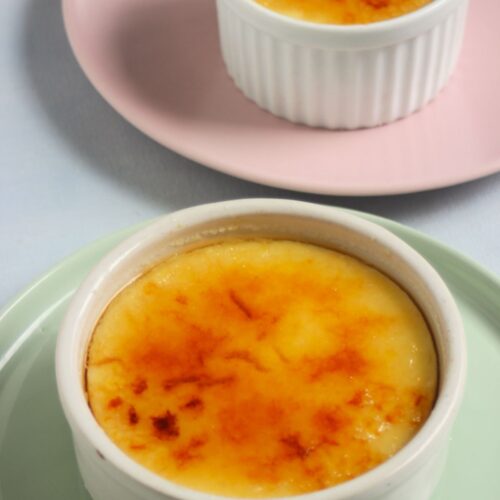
x=261 y=368
x=343 y=11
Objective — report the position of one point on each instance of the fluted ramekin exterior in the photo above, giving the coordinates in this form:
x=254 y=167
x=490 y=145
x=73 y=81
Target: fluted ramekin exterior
x=360 y=81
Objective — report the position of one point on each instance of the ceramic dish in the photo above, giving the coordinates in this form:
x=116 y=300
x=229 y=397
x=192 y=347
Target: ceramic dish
x=34 y=436
x=411 y=473
x=341 y=76
x=173 y=86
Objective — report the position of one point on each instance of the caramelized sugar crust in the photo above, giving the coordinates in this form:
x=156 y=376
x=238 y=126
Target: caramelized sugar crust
x=261 y=368
x=343 y=11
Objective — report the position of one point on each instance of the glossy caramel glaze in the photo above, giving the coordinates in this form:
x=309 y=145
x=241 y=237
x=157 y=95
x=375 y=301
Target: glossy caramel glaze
x=261 y=368
x=343 y=11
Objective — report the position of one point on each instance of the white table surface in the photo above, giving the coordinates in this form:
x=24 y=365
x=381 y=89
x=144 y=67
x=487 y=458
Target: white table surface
x=72 y=170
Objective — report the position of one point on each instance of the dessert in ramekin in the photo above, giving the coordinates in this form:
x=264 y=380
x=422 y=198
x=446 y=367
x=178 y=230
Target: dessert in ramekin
x=343 y=11
x=226 y=231
x=341 y=76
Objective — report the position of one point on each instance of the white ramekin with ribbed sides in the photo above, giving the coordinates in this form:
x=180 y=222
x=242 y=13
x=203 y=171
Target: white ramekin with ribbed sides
x=341 y=77
x=411 y=474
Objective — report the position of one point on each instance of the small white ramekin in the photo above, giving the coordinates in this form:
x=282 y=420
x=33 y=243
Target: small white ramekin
x=341 y=77
x=411 y=474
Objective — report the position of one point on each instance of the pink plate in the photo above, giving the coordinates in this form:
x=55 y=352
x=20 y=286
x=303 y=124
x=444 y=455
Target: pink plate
x=157 y=62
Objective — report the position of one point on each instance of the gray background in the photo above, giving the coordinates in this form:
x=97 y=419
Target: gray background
x=72 y=170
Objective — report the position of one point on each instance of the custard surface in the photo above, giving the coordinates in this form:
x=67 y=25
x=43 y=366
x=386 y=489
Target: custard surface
x=343 y=11
x=261 y=368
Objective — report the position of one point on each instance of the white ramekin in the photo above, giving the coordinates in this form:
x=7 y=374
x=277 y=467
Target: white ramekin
x=411 y=474
x=341 y=77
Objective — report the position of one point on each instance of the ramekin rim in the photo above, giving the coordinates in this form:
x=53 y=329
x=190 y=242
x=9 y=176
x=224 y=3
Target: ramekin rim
x=426 y=11
x=79 y=415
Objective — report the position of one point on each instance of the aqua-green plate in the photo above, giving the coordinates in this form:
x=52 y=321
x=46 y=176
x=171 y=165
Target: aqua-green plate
x=36 y=455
